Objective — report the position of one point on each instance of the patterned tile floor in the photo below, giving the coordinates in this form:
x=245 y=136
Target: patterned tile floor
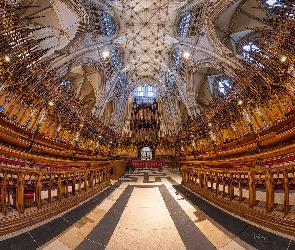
x=146 y=210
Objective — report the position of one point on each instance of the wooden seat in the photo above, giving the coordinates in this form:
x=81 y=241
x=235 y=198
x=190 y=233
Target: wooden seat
x=29 y=198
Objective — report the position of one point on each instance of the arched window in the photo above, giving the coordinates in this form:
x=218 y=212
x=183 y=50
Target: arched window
x=122 y=79
x=176 y=55
x=273 y=3
x=101 y=23
x=171 y=80
x=65 y=84
x=145 y=91
x=108 y=23
x=281 y=7
x=183 y=24
x=249 y=48
x=189 y=22
x=222 y=85
x=115 y=57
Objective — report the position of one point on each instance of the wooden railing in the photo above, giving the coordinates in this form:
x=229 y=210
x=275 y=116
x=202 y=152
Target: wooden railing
x=236 y=189
x=49 y=190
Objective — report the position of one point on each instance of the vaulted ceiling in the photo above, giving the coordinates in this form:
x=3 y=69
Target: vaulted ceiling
x=105 y=49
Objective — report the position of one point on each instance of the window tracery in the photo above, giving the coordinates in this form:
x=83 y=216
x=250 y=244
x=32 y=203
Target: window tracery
x=281 y=7
x=189 y=23
x=250 y=48
x=115 y=57
x=66 y=84
x=176 y=55
x=109 y=24
x=220 y=85
x=102 y=23
x=122 y=79
x=183 y=24
x=171 y=80
x=145 y=91
x=273 y=3
x=224 y=86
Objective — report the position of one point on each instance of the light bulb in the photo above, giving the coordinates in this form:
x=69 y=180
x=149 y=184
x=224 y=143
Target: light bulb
x=105 y=54
x=283 y=58
x=186 y=54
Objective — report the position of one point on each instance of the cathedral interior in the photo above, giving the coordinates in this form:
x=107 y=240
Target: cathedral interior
x=147 y=124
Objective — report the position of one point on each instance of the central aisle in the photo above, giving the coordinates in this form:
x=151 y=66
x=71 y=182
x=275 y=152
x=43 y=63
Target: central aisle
x=146 y=223
x=143 y=213
x=146 y=212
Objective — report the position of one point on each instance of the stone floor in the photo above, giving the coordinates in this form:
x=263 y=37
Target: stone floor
x=146 y=210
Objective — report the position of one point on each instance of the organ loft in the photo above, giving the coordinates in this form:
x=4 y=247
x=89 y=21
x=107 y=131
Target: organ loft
x=148 y=124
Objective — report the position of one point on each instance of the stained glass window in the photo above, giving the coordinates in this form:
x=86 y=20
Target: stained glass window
x=176 y=55
x=108 y=23
x=171 y=80
x=151 y=92
x=224 y=85
x=65 y=84
x=140 y=91
x=281 y=7
x=122 y=79
x=183 y=24
x=189 y=23
x=115 y=57
x=248 y=48
x=101 y=23
x=145 y=91
x=272 y=2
